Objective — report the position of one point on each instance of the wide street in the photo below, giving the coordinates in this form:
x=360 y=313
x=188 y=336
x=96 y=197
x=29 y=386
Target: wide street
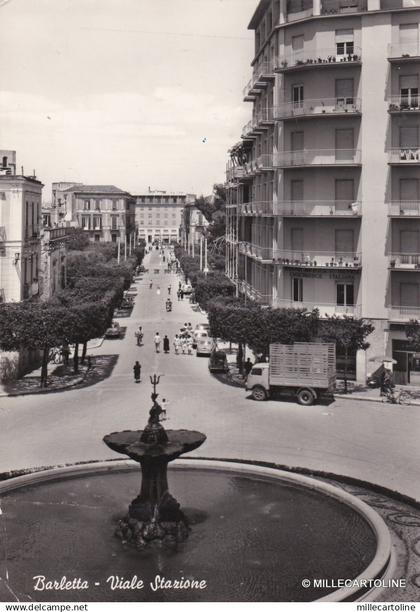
x=370 y=441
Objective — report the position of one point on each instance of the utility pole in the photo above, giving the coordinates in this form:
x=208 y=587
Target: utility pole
x=205 y=256
x=118 y=250
x=201 y=253
x=125 y=247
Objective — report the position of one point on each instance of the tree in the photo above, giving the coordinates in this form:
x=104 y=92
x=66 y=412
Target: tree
x=35 y=325
x=349 y=334
x=207 y=288
x=412 y=331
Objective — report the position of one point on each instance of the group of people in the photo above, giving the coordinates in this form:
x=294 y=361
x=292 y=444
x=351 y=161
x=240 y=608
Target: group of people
x=184 y=341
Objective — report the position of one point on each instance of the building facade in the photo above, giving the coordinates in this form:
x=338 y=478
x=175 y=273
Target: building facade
x=158 y=215
x=324 y=186
x=105 y=212
x=20 y=219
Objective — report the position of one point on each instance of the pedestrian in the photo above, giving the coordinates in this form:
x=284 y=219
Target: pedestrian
x=247 y=366
x=189 y=327
x=158 y=290
x=179 y=294
x=139 y=335
x=176 y=344
x=89 y=363
x=151 y=285
x=179 y=285
x=182 y=295
x=166 y=344
x=157 y=342
x=137 y=372
x=169 y=290
x=189 y=345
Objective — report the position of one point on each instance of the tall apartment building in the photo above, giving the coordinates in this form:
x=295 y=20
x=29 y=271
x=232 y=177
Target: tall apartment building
x=324 y=186
x=20 y=247
x=159 y=215
x=106 y=212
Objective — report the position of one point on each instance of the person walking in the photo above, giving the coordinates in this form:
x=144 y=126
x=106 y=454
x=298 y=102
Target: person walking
x=179 y=294
x=176 y=344
x=157 y=342
x=137 y=372
x=169 y=290
x=158 y=290
x=247 y=367
x=182 y=295
x=139 y=335
x=166 y=344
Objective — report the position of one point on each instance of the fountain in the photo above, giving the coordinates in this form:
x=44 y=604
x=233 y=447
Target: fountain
x=154 y=514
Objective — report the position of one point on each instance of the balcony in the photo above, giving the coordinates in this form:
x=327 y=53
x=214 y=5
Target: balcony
x=264 y=254
x=319 y=208
x=404 y=52
x=324 y=308
x=405 y=261
x=262 y=74
x=403 y=314
x=343 y=7
x=405 y=208
x=305 y=59
x=256 y=208
x=234 y=172
x=404 y=156
x=319 y=157
x=318 y=259
x=264 y=162
x=326 y=107
x=403 y=104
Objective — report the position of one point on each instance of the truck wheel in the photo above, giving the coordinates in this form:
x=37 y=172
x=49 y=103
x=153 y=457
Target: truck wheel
x=305 y=397
x=259 y=394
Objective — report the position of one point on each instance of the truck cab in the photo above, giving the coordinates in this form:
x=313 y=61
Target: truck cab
x=258 y=381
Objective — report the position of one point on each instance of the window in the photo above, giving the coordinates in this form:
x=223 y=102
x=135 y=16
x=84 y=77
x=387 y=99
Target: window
x=344 y=194
x=97 y=204
x=85 y=222
x=114 y=237
x=113 y=205
x=97 y=237
x=409 y=295
x=297 y=96
x=409 y=241
x=97 y=222
x=345 y=294
x=86 y=204
x=409 y=36
x=296 y=190
x=344 y=144
x=344 y=91
x=297 y=239
x=409 y=137
x=297 y=289
x=114 y=222
x=297 y=141
x=344 y=241
x=297 y=47
x=409 y=91
x=2 y=195
x=256 y=372
x=344 y=40
x=409 y=190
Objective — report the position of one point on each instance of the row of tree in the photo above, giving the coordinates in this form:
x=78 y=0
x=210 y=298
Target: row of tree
x=81 y=311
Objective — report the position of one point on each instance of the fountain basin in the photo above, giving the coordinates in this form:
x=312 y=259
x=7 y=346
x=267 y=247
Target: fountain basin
x=257 y=533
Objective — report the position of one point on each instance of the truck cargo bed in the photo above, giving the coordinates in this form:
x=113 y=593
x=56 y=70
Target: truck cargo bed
x=302 y=364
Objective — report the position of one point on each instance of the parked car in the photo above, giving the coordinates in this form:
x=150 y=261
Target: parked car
x=114 y=331
x=204 y=344
x=218 y=361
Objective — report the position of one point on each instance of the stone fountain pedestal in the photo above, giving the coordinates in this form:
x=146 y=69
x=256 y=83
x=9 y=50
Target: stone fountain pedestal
x=154 y=514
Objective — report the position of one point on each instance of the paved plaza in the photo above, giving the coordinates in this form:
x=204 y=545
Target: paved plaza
x=373 y=442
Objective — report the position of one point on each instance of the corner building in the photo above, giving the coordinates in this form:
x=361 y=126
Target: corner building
x=324 y=185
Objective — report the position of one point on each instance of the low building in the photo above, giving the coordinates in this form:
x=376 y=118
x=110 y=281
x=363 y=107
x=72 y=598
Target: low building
x=159 y=215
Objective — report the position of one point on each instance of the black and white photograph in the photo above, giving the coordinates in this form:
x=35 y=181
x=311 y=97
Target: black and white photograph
x=209 y=303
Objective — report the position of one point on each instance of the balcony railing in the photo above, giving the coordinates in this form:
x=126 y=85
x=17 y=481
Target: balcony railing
x=324 y=308
x=404 y=51
x=319 y=208
x=235 y=172
x=319 y=107
x=404 y=313
x=407 y=208
x=263 y=72
x=265 y=162
x=319 y=157
x=404 y=155
x=256 y=208
x=403 y=104
x=405 y=261
x=259 y=252
x=318 y=259
x=316 y=58
x=339 y=7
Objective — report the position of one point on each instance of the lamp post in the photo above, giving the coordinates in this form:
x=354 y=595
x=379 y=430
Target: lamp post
x=205 y=257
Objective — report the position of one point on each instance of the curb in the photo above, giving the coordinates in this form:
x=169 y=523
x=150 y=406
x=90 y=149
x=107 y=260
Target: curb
x=349 y=396
x=45 y=391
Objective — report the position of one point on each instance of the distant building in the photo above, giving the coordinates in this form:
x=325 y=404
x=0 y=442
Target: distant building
x=192 y=227
x=104 y=211
x=159 y=215
x=53 y=275
x=20 y=216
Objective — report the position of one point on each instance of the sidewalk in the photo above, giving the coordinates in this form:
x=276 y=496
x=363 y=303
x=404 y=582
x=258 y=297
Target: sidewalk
x=373 y=395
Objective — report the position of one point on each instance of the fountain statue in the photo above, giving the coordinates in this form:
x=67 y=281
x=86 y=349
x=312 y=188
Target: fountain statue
x=154 y=514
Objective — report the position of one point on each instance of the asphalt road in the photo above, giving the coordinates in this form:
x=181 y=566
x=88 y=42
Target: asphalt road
x=370 y=441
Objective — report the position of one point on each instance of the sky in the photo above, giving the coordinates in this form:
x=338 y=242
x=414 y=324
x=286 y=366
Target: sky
x=134 y=93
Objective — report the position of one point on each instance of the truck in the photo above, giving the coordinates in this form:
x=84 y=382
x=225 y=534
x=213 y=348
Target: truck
x=306 y=370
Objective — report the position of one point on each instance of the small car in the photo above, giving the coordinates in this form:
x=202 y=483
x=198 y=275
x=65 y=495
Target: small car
x=114 y=331
x=218 y=362
x=201 y=327
x=187 y=288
